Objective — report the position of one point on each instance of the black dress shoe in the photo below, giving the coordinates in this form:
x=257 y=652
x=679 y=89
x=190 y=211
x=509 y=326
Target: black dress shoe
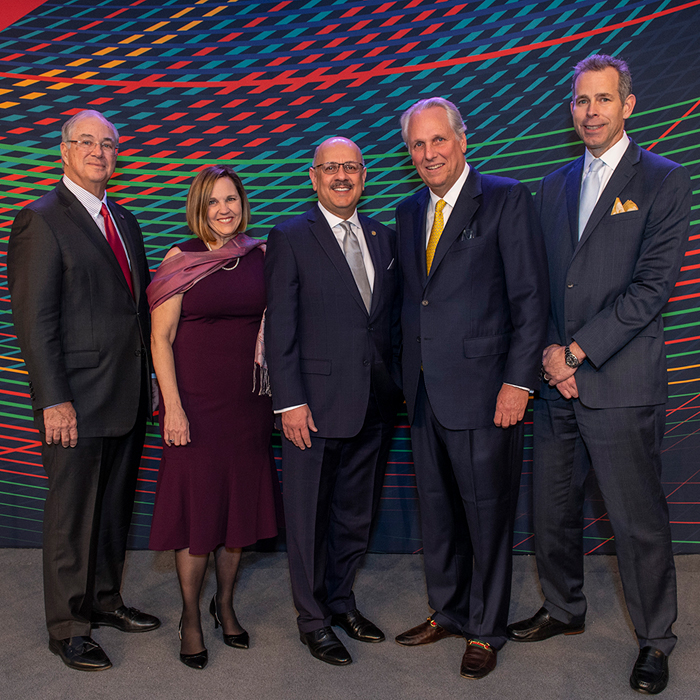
x=125 y=619
x=80 y=653
x=478 y=661
x=425 y=633
x=357 y=626
x=238 y=641
x=325 y=646
x=541 y=626
x=650 y=672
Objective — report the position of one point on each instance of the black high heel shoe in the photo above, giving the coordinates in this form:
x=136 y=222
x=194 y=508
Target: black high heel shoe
x=198 y=660
x=238 y=641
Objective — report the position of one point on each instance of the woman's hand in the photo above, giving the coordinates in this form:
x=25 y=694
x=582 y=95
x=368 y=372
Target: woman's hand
x=176 y=427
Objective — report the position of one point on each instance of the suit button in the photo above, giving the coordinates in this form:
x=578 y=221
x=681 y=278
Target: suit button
x=137 y=353
x=365 y=363
x=418 y=339
x=370 y=328
x=424 y=302
x=570 y=285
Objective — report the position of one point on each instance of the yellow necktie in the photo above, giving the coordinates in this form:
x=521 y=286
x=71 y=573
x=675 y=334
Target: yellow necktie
x=435 y=232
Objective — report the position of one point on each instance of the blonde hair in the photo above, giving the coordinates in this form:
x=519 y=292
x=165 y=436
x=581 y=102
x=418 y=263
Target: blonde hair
x=197 y=207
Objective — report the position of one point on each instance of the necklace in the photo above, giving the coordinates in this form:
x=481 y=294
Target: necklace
x=223 y=267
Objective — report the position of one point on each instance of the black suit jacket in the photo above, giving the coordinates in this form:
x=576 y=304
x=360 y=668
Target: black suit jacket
x=322 y=347
x=479 y=319
x=82 y=334
x=609 y=288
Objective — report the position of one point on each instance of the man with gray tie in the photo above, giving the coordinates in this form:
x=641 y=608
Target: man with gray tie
x=615 y=222
x=332 y=346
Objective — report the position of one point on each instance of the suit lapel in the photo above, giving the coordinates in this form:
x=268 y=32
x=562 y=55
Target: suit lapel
x=624 y=172
x=573 y=189
x=417 y=219
x=327 y=240
x=464 y=210
x=87 y=226
x=372 y=240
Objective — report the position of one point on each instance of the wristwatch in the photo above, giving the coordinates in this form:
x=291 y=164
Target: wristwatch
x=571 y=359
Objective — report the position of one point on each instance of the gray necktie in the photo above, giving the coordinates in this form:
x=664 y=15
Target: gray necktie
x=589 y=193
x=353 y=254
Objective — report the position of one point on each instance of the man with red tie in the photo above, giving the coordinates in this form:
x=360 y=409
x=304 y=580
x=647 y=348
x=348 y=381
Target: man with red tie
x=77 y=274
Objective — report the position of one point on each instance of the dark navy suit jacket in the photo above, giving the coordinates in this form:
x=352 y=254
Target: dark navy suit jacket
x=609 y=288
x=322 y=347
x=479 y=319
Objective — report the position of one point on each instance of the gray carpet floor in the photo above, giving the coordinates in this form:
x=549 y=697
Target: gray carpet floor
x=390 y=590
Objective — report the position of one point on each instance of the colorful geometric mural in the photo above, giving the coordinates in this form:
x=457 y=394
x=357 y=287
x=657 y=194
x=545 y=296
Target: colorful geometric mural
x=259 y=84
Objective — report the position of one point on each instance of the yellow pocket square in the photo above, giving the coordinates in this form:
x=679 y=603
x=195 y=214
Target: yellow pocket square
x=620 y=208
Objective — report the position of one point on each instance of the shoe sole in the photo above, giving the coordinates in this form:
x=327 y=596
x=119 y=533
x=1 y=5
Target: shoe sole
x=422 y=644
x=475 y=677
x=544 y=639
x=97 y=625
x=360 y=639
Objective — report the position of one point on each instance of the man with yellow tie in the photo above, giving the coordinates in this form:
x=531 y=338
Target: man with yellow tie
x=474 y=315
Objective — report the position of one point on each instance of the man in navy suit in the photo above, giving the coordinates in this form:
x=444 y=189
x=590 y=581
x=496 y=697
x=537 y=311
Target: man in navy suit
x=332 y=345
x=614 y=222
x=473 y=321
x=77 y=273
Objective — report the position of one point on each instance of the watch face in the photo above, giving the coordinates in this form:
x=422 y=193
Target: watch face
x=570 y=358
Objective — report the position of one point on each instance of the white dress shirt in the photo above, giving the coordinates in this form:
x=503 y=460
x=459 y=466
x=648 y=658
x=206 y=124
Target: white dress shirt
x=450 y=200
x=339 y=233
x=93 y=206
x=611 y=159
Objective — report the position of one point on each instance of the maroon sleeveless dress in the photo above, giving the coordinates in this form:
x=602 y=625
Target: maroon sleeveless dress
x=218 y=489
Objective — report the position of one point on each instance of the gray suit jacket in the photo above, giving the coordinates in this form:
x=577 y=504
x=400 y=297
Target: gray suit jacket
x=608 y=289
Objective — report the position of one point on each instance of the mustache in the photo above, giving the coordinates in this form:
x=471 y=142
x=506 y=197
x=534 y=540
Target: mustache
x=341 y=183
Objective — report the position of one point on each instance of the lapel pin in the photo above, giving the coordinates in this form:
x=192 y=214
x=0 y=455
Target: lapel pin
x=374 y=233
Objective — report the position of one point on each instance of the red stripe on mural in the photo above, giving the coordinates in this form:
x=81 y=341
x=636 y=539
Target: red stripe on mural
x=672 y=127
x=351 y=72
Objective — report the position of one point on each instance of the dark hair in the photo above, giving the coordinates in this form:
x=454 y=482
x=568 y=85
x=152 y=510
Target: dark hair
x=197 y=207
x=599 y=62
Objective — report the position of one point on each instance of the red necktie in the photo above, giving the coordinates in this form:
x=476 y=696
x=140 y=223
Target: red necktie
x=117 y=246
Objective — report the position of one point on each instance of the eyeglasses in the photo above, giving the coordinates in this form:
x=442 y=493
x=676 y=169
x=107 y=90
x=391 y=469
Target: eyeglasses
x=88 y=145
x=351 y=167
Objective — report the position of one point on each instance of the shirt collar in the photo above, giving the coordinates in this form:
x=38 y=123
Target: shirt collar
x=453 y=193
x=87 y=199
x=334 y=220
x=612 y=156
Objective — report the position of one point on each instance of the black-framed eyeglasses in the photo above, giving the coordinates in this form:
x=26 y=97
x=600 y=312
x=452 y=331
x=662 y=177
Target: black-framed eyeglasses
x=89 y=144
x=351 y=167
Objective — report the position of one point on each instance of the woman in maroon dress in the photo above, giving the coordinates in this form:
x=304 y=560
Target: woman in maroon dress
x=215 y=484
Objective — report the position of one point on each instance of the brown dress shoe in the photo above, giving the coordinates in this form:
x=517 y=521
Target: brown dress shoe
x=478 y=661
x=425 y=633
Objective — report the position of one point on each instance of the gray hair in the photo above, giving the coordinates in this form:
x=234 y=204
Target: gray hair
x=453 y=115
x=67 y=128
x=599 y=62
